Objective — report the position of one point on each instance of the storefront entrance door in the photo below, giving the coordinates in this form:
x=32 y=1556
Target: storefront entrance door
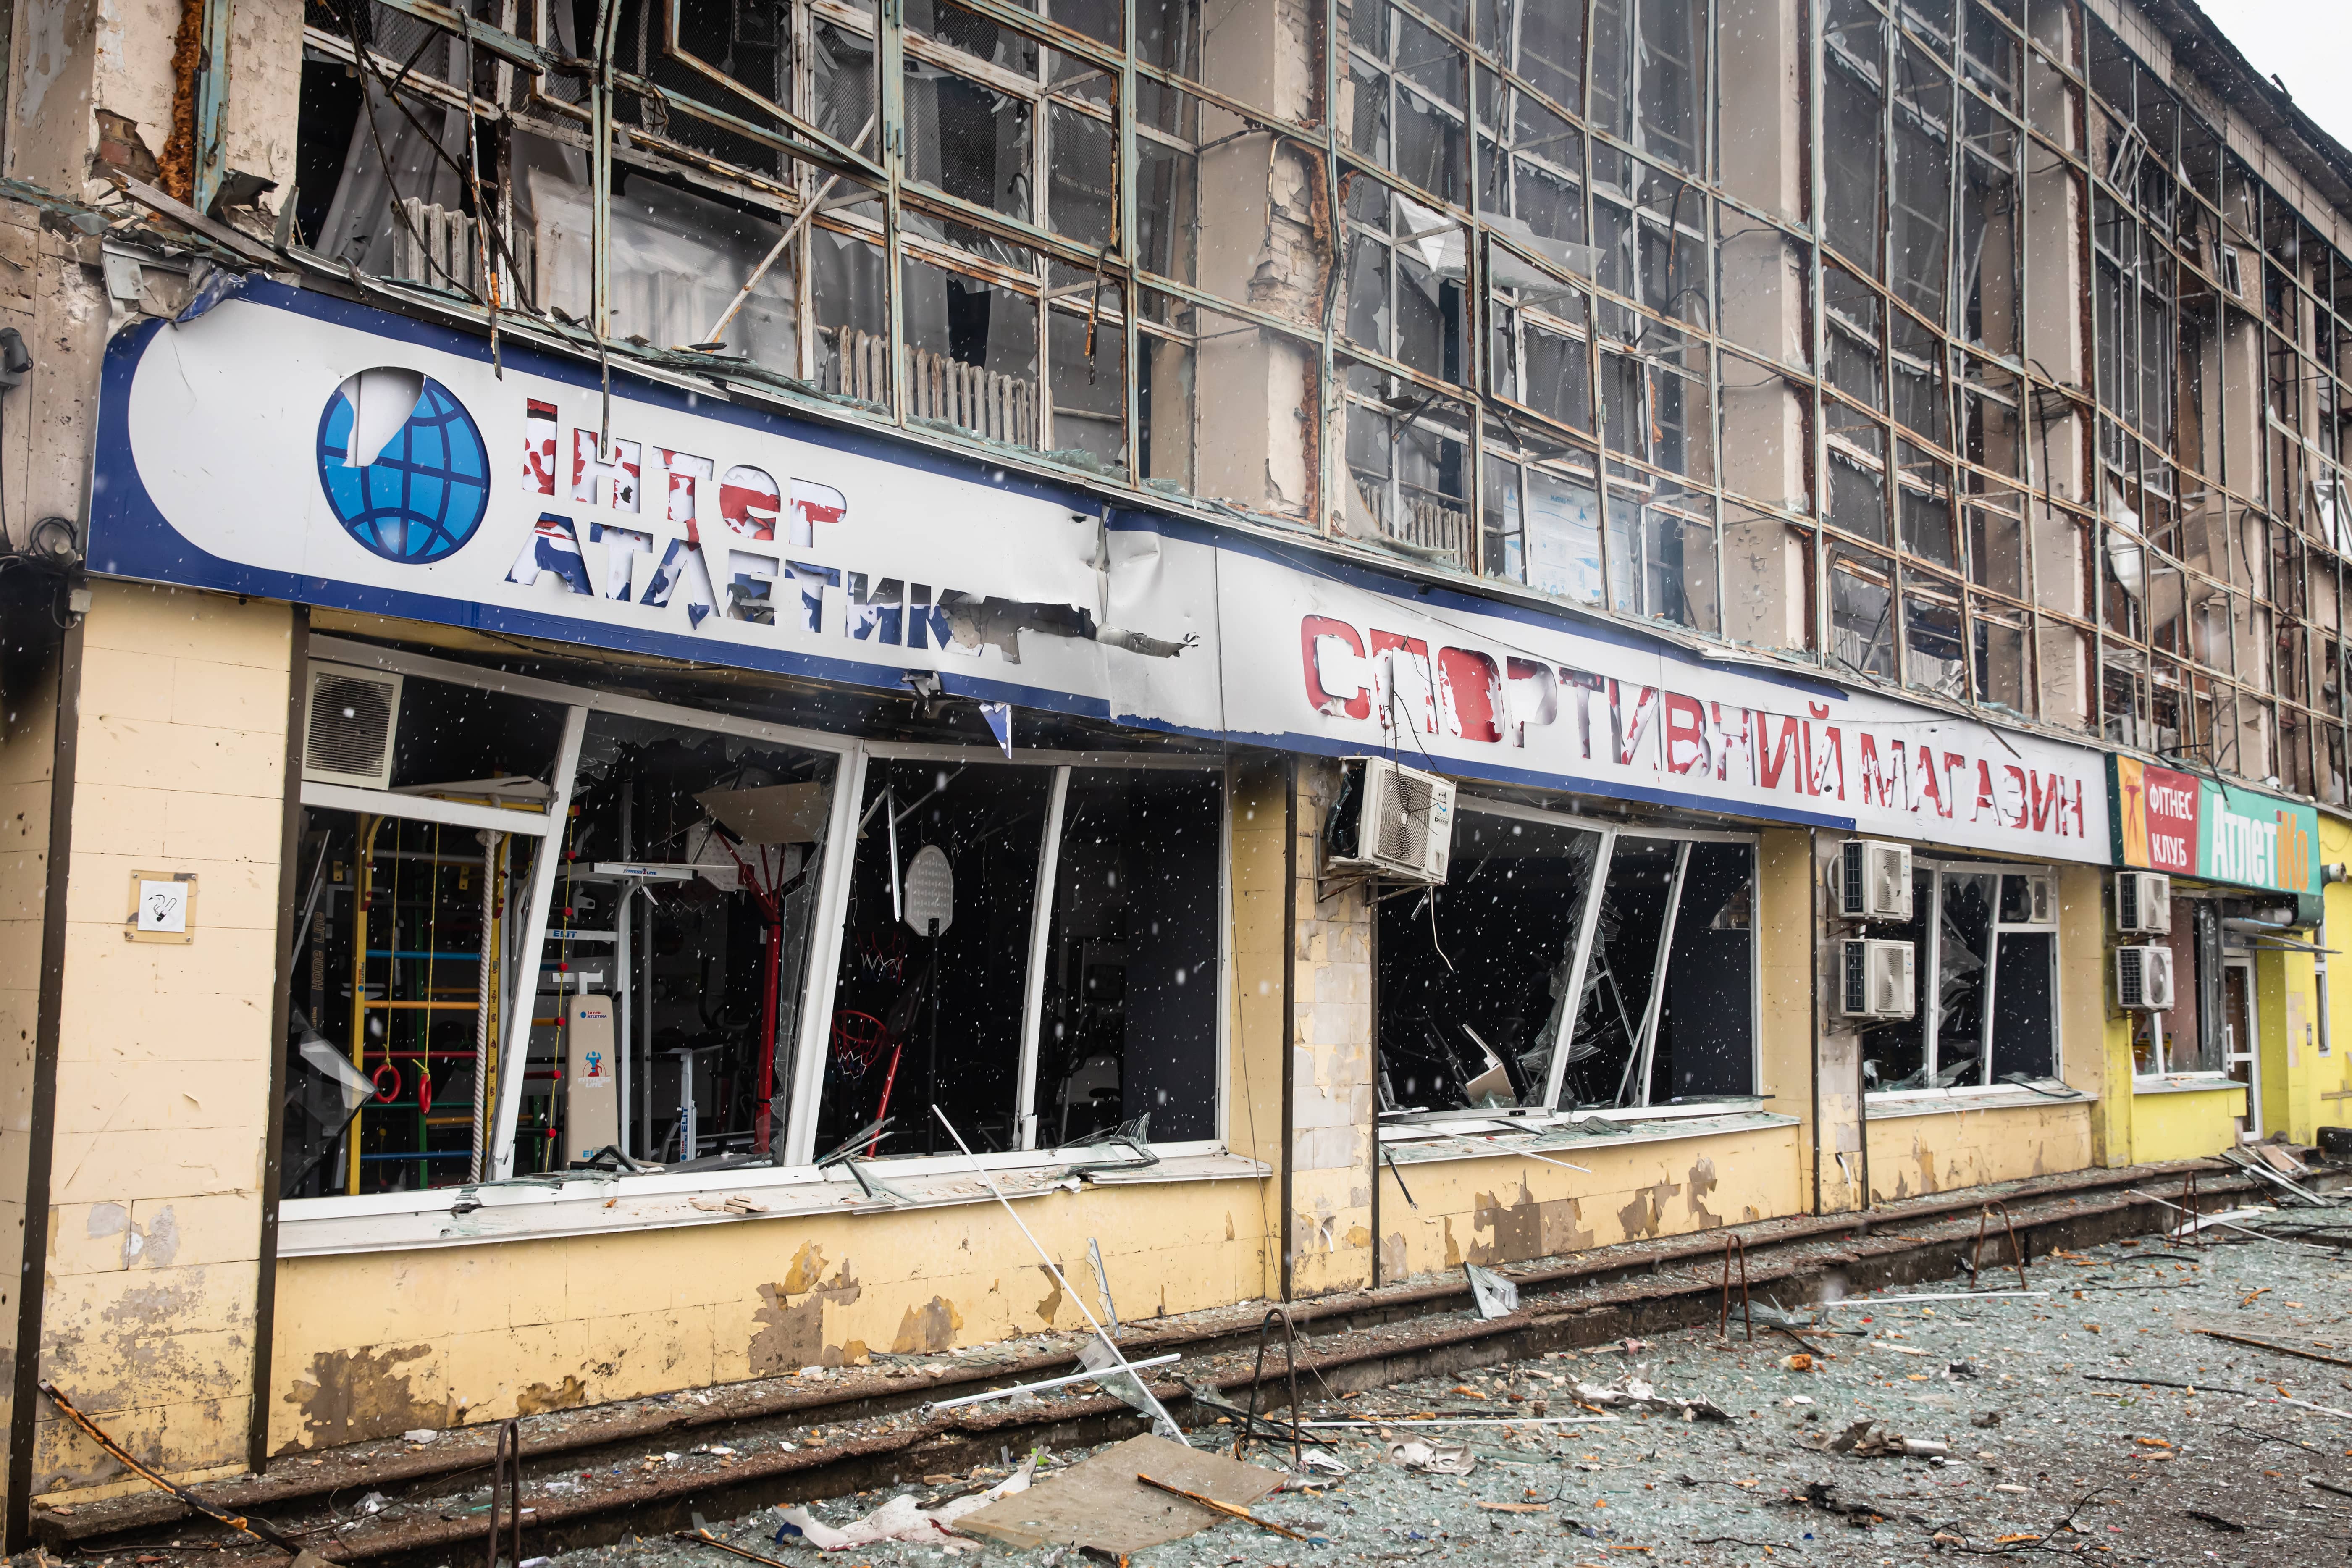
x=2239 y=1038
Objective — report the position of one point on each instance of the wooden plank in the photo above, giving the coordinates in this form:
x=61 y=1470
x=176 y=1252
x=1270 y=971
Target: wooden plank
x=1099 y=1503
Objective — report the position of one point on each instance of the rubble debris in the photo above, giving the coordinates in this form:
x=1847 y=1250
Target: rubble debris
x=1433 y=1459
x=1637 y=1394
x=1230 y=1511
x=2216 y=1521
x=901 y=1519
x=1494 y=1296
x=1099 y=1503
x=1867 y=1440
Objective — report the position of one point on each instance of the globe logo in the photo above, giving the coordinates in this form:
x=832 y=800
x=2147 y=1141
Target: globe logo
x=404 y=466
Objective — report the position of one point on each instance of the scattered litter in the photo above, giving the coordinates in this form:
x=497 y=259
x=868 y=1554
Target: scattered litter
x=1316 y=1462
x=2216 y=1521
x=1433 y=1459
x=1800 y=1362
x=1869 y=1440
x=901 y=1519
x=422 y=1435
x=733 y=1203
x=1513 y=1507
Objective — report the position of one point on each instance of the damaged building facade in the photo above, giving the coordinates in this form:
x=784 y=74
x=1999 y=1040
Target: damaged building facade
x=636 y=635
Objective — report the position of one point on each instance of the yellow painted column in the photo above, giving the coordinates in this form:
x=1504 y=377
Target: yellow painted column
x=164 y=1054
x=2332 y=1072
x=1257 y=1028
x=1784 y=936
x=2093 y=1034
x=1331 y=1062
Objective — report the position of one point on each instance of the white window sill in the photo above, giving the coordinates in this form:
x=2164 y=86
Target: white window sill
x=588 y=1204
x=2185 y=1083
x=1563 y=1137
x=1886 y=1104
x=1396 y=1128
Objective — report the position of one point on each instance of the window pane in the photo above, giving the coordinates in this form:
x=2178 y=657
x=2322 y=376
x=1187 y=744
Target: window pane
x=711 y=1003
x=930 y=1020
x=1128 y=1018
x=1617 y=978
x=1963 y=953
x=1706 y=1024
x=1477 y=973
x=2022 y=1035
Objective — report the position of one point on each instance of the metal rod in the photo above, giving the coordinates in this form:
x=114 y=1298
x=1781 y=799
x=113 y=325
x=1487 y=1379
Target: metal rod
x=718 y=328
x=1018 y=1388
x=1159 y=1411
x=482 y=990
x=1474 y=1421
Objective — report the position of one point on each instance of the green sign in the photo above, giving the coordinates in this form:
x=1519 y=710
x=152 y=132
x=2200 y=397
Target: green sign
x=2196 y=826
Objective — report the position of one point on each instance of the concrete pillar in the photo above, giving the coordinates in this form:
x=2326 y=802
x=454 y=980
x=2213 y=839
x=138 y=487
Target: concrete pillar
x=165 y=1050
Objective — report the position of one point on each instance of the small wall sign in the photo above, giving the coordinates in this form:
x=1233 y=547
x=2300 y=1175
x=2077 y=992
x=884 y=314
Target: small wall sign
x=162 y=906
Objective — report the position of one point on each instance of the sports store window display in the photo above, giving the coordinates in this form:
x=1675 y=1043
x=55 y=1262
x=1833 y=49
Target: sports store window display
x=543 y=928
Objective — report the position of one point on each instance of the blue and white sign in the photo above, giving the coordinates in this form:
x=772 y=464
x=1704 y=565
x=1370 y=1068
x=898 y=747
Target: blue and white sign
x=294 y=446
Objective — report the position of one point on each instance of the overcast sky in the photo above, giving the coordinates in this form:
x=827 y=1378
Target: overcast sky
x=2308 y=44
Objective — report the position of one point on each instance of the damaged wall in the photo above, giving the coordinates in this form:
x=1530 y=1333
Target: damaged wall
x=1938 y=1151
x=1257 y=1027
x=1331 y=1063
x=1501 y=1209
x=163 y=1069
x=369 y=1344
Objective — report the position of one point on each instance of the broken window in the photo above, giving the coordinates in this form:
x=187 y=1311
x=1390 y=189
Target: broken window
x=1985 y=973
x=1478 y=977
x=400 y=909
x=1036 y=1025
x=1569 y=965
x=1650 y=1025
x=686 y=905
x=928 y=1002
x=1127 y=1008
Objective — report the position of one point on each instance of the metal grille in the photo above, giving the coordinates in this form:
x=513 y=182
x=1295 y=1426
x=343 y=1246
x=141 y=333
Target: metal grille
x=350 y=733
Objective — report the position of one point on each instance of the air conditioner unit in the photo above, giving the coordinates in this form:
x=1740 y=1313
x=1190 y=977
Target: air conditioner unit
x=1392 y=821
x=1874 y=880
x=2143 y=978
x=2143 y=902
x=353 y=713
x=1879 y=981
x=2040 y=899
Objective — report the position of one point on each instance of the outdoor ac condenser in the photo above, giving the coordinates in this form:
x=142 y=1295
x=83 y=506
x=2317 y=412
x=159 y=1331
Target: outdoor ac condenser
x=2143 y=978
x=1878 y=979
x=2143 y=902
x=1874 y=880
x=1395 y=822
x=353 y=714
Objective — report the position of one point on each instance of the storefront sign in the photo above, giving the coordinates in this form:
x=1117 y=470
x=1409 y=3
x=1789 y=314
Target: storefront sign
x=2166 y=820
x=1467 y=686
x=293 y=446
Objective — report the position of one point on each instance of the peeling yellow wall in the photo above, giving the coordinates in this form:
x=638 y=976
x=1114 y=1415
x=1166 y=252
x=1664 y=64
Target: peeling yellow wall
x=163 y=1069
x=1784 y=980
x=377 y=1343
x=1936 y=1151
x=2329 y=1091
x=1259 y=1049
x=1502 y=1209
x=1332 y=1068
x=2184 y=1125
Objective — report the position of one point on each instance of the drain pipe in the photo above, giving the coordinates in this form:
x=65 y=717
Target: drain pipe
x=2330 y=876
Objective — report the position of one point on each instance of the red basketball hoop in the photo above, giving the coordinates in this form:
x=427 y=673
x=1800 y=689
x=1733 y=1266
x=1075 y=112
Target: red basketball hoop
x=858 y=1041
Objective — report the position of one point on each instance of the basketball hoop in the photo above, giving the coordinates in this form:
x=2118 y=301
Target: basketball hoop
x=858 y=1041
